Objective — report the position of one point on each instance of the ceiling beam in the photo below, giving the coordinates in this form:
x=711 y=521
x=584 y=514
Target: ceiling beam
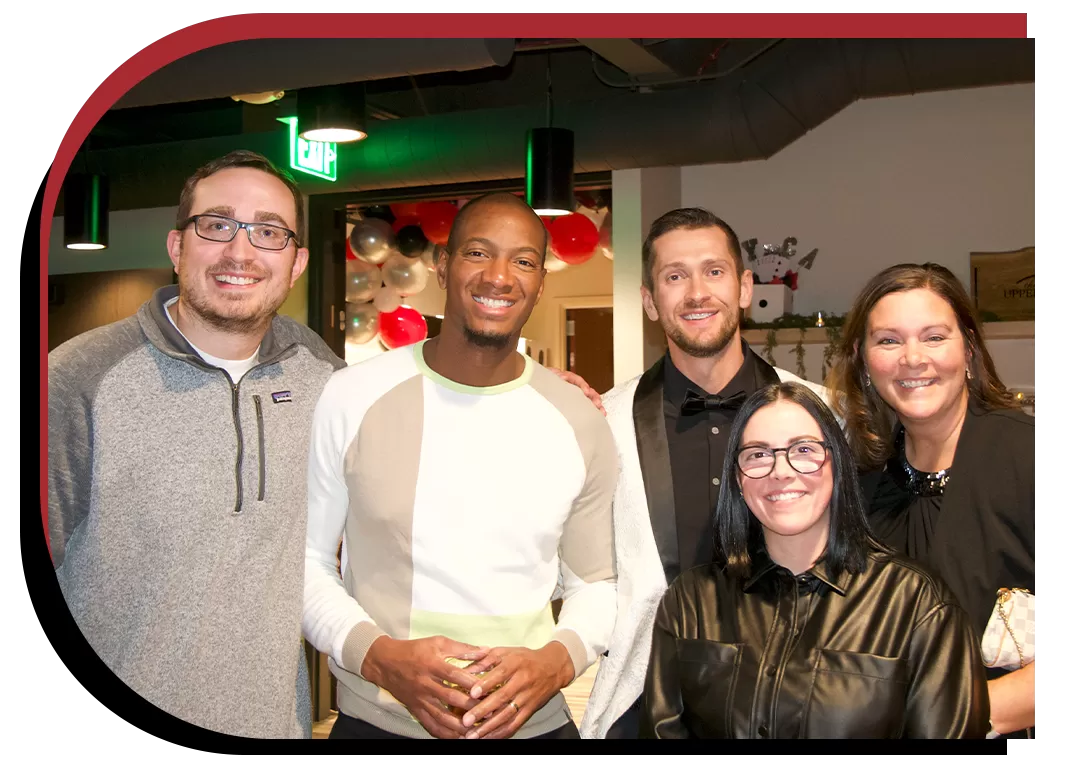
x=630 y=57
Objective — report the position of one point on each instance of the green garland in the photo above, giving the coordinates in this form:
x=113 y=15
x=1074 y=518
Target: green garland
x=832 y=348
x=833 y=325
x=800 y=354
x=795 y=320
x=770 y=344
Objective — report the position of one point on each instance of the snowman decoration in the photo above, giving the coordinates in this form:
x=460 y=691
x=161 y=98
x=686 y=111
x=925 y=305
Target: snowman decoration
x=775 y=279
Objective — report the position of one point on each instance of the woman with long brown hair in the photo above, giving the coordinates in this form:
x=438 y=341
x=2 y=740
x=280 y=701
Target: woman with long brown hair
x=948 y=458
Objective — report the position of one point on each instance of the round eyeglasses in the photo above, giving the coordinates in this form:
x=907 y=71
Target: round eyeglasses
x=222 y=229
x=804 y=457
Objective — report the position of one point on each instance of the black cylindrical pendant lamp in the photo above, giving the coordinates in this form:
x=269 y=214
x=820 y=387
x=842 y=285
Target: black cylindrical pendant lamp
x=549 y=171
x=86 y=212
x=334 y=113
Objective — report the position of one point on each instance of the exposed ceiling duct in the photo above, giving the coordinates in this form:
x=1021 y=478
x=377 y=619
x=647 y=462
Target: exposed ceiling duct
x=629 y=56
x=290 y=64
x=750 y=114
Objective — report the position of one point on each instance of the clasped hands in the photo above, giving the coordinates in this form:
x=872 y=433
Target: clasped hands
x=490 y=698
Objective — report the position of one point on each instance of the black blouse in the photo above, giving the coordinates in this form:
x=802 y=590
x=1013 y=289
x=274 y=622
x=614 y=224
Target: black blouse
x=915 y=531
x=980 y=534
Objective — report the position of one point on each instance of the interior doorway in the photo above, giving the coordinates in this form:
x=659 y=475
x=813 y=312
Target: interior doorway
x=589 y=347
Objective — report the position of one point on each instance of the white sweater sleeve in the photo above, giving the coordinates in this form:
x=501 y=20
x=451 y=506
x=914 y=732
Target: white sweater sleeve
x=587 y=554
x=331 y=616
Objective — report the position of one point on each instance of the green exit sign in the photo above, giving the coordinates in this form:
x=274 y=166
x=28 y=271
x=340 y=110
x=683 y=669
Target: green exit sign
x=315 y=158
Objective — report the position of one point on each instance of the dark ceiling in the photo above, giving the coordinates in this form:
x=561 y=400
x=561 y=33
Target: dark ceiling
x=576 y=71
x=455 y=111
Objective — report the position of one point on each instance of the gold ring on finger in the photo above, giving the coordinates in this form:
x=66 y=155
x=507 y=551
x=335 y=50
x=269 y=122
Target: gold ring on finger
x=514 y=705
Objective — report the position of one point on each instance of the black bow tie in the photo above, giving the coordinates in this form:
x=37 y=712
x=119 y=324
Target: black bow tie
x=694 y=402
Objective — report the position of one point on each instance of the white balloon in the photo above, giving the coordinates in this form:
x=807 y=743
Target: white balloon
x=387 y=300
x=591 y=214
x=405 y=276
x=361 y=323
x=372 y=240
x=362 y=280
x=553 y=263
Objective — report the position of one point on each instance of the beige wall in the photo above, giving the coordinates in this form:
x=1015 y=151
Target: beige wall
x=296 y=304
x=94 y=299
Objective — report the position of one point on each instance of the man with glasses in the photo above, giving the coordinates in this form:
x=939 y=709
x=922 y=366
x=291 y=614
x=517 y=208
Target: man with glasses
x=671 y=427
x=178 y=446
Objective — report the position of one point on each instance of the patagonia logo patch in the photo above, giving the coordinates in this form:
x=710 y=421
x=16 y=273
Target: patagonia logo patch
x=281 y=397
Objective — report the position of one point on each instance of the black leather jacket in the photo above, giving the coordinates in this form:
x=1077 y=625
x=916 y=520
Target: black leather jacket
x=886 y=653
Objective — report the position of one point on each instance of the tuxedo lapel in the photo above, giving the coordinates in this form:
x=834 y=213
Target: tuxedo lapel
x=764 y=374
x=652 y=444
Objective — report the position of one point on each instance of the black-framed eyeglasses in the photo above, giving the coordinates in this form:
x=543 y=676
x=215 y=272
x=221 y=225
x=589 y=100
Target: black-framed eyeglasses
x=222 y=229
x=805 y=457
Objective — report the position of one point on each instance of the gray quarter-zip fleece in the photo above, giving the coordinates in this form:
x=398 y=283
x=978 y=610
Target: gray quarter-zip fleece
x=178 y=513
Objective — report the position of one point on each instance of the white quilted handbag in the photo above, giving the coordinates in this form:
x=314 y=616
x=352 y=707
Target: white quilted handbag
x=1009 y=639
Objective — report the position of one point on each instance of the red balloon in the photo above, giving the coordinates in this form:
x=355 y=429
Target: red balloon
x=573 y=238
x=402 y=327
x=436 y=219
x=405 y=209
x=405 y=221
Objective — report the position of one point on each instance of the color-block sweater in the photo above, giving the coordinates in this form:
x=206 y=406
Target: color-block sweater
x=177 y=515
x=462 y=510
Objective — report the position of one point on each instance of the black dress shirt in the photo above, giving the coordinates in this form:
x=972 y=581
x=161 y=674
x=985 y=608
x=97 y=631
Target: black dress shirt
x=697 y=443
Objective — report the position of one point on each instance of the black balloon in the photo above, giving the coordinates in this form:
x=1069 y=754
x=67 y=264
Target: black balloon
x=411 y=241
x=379 y=212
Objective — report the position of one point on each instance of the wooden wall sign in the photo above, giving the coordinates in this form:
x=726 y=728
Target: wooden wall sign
x=1003 y=284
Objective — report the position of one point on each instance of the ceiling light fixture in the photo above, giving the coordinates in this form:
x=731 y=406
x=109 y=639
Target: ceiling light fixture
x=259 y=98
x=332 y=114
x=549 y=165
x=86 y=212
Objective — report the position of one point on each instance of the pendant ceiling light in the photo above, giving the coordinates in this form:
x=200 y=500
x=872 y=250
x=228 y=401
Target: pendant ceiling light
x=549 y=166
x=86 y=212
x=332 y=114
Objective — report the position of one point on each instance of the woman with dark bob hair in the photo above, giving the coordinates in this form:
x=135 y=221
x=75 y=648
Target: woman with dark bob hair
x=807 y=628
x=948 y=459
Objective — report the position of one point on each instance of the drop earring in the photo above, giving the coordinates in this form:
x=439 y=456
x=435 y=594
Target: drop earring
x=968 y=373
